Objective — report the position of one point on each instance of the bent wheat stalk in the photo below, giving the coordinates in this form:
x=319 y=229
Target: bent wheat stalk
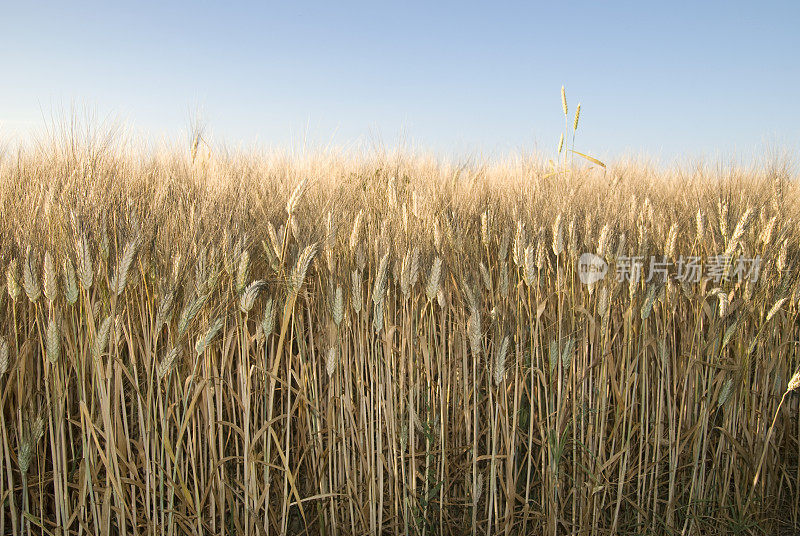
x=794 y=384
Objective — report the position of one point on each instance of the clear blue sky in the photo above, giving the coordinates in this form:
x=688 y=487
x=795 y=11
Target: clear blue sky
x=666 y=79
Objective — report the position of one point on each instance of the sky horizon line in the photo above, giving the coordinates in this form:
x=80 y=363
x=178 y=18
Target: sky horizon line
x=48 y=128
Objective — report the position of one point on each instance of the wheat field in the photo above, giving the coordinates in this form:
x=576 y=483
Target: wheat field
x=211 y=342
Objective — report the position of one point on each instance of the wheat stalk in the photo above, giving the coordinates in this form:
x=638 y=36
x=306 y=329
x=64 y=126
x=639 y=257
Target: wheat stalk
x=355 y=279
x=12 y=283
x=242 y=272
x=53 y=340
x=432 y=289
x=294 y=198
x=337 y=309
x=29 y=281
x=379 y=288
x=301 y=267
x=205 y=339
x=70 y=282
x=120 y=278
x=84 y=257
x=268 y=319
x=558 y=236
x=101 y=338
x=167 y=363
x=49 y=280
x=249 y=295
x=474 y=332
x=330 y=361
x=3 y=355
x=500 y=361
